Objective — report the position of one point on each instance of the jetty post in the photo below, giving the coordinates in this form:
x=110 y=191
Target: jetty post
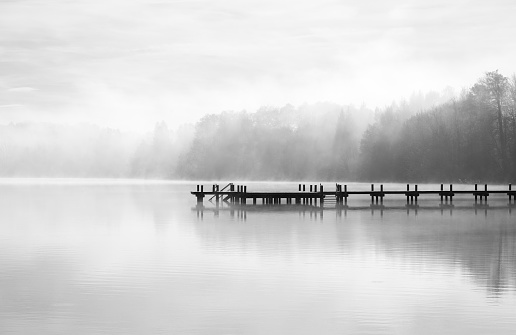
x=200 y=194
x=322 y=195
x=412 y=196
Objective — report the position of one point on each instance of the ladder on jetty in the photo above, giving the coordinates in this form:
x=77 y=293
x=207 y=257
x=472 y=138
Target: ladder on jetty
x=316 y=195
x=216 y=190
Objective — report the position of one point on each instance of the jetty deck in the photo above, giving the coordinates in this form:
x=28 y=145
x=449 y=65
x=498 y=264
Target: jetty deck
x=317 y=195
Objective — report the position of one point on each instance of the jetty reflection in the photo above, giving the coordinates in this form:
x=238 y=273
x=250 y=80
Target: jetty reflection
x=478 y=242
x=241 y=211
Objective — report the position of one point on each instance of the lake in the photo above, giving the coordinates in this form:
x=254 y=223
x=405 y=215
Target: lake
x=133 y=257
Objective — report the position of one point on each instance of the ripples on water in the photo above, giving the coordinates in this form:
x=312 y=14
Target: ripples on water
x=137 y=258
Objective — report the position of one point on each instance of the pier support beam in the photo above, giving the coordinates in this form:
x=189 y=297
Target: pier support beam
x=200 y=197
x=322 y=195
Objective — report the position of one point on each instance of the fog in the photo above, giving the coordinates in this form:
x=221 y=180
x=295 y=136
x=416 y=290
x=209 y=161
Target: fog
x=256 y=89
x=409 y=140
x=129 y=64
x=318 y=140
x=469 y=137
x=111 y=111
x=84 y=150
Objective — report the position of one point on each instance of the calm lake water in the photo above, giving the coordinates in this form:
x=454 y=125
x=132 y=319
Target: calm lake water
x=100 y=257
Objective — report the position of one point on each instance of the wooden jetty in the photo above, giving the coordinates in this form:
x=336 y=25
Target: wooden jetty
x=316 y=195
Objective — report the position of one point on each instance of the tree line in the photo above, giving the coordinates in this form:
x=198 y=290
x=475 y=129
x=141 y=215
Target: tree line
x=469 y=138
x=432 y=137
x=311 y=142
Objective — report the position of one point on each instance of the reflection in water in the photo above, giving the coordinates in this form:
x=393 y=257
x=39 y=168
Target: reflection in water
x=340 y=209
x=135 y=259
x=483 y=247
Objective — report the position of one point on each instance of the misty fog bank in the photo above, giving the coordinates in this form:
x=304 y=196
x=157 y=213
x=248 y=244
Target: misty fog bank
x=83 y=150
x=429 y=137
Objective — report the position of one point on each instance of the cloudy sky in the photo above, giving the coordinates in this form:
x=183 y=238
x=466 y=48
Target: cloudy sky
x=130 y=63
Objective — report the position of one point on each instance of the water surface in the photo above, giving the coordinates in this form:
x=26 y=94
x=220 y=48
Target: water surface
x=100 y=257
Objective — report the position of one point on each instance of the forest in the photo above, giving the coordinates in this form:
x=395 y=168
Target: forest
x=470 y=137
x=467 y=139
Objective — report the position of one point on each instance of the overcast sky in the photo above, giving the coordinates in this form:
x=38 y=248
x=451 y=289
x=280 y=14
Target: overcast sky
x=130 y=63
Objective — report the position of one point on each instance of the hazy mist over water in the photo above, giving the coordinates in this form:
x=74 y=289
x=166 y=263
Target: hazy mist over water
x=258 y=90
x=137 y=257
x=110 y=110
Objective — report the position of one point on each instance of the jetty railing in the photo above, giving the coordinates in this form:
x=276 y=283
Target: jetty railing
x=317 y=195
